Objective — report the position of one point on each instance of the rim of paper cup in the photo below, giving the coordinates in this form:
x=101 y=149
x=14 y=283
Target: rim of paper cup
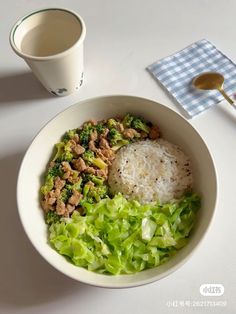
x=50 y=57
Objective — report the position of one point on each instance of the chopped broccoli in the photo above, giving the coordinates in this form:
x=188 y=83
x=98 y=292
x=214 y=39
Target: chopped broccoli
x=98 y=192
x=127 y=120
x=59 y=150
x=55 y=171
x=112 y=123
x=86 y=189
x=77 y=186
x=48 y=184
x=65 y=194
x=99 y=128
x=93 y=193
x=116 y=138
x=88 y=155
x=102 y=191
x=69 y=135
x=63 y=152
x=49 y=179
x=140 y=125
x=91 y=159
x=120 y=144
x=67 y=191
x=96 y=179
x=51 y=217
x=85 y=134
x=75 y=174
x=84 y=137
x=86 y=196
x=67 y=156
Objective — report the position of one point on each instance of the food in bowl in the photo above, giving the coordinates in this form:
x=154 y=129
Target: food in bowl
x=118 y=199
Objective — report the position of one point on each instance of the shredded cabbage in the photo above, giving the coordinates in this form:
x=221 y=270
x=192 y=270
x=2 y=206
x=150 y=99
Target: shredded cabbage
x=117 y=236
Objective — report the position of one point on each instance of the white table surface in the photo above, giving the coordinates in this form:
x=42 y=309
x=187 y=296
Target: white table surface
x=123 y=37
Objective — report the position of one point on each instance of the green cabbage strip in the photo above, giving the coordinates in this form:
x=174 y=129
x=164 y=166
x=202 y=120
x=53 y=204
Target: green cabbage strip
x=117 y=236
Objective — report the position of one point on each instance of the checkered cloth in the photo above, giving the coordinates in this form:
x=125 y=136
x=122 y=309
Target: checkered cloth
x=177 y=71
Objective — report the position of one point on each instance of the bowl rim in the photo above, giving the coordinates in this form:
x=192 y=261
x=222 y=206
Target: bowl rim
x=143 y=281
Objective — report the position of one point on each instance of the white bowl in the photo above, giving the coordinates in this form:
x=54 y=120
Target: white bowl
x=173 y=127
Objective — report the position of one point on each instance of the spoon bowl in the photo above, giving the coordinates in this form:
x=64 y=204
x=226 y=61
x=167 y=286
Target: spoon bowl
x=211 y=81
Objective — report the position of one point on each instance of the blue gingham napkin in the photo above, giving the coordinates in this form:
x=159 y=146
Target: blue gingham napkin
x=177 y=71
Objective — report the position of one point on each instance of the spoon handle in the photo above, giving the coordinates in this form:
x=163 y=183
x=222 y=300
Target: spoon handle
x=223 y=93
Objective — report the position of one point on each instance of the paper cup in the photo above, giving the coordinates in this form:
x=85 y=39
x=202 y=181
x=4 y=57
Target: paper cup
x=51 y=43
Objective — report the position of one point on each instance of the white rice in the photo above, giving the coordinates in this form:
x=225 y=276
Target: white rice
x=151 y=171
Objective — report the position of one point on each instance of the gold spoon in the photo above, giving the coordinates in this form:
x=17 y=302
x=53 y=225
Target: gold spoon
x=210 y=81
